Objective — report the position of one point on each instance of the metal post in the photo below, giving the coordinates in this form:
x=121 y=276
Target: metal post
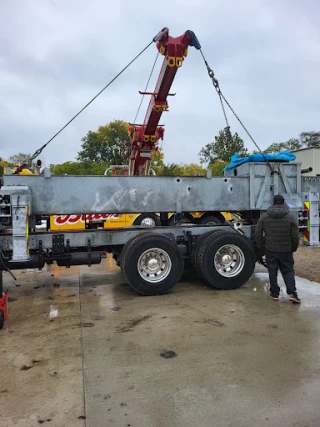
x=311 y=206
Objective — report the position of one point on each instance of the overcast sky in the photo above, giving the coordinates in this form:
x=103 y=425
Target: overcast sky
x=55 y=55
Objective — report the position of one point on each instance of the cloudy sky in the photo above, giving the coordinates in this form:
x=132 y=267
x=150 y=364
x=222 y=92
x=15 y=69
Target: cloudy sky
x=55 y=55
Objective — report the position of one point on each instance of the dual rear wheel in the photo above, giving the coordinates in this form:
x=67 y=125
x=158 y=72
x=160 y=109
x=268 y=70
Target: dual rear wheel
x=225 y=260
x=153 y=263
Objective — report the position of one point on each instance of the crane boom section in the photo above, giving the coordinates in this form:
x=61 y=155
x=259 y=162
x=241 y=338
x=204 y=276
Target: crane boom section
x=144 y=138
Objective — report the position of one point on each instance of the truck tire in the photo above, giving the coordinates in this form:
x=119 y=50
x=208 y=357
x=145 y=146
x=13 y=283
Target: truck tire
x=147 y=220
x=226 y=260
x=127 y=245
x=196 y=247
x=209 y=220
x=152 y=264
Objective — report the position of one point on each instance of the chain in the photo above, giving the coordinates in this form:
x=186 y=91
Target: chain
x=223 y=109
x=215 y=83
x=239 y=120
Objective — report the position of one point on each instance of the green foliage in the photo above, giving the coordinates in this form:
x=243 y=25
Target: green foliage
x=18 y=158
x=310 y=139
x=217 y=167
x=290 y=145
x=305 y=140
x=225 y=146
x=3 y=163
x=108 y=144
x=79 y=168
x=172 y=169
x=193 y=169
x=157 y=163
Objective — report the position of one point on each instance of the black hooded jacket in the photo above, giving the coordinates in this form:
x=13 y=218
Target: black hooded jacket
x=277 y=230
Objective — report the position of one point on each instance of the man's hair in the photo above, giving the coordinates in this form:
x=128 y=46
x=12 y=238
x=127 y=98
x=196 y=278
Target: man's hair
x=278 y=200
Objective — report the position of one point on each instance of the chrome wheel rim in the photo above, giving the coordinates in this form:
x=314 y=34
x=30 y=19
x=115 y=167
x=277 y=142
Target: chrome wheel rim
x=148 y=222
x=229 y=260
x=154 y=265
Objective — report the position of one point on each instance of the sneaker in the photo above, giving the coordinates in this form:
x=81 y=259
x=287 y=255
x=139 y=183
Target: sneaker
x=274 y=297
x=294 y=298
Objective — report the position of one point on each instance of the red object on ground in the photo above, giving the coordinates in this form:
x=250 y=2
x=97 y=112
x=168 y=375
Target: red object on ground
x=4 y=305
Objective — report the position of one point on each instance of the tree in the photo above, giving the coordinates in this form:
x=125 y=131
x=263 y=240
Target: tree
x=172 y=169
x=193 y=169
x=225 y=146
x=157 y=163
x=310 y=139
x=291 y=145
x=3 y=163
x=306 y=139
x=217 y=167
x=18 y=158
x=79 y=168
x=108 y=144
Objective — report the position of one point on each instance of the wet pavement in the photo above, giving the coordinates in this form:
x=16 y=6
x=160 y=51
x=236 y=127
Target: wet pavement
x=195 y=357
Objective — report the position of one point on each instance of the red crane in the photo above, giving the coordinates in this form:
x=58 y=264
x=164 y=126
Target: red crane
x=144 y=138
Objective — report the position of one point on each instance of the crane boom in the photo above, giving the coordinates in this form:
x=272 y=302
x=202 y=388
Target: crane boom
x=144 y=138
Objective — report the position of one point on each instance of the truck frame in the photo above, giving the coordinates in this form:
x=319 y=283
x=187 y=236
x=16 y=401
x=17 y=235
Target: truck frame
x=152 y=260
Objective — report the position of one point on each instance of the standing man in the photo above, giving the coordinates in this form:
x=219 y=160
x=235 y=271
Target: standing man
x=277 y=231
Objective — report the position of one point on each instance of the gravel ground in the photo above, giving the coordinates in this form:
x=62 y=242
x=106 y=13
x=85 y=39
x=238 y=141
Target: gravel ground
x=307 y=263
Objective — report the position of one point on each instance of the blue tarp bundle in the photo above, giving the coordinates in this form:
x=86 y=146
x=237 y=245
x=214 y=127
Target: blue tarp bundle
x=283 y=156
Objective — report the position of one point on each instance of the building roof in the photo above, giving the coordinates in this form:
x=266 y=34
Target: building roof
x=306 y=148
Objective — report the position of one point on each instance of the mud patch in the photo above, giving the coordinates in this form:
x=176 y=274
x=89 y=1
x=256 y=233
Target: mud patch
x=115 y=308
x=11 y=299
x=26 y=367
x=212 y=322
x=168 y=354
x=87 y=324
x=26 y=293
x=133 y=323
x=98 y=317
x=272 y=326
